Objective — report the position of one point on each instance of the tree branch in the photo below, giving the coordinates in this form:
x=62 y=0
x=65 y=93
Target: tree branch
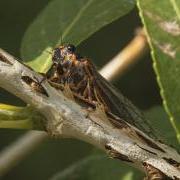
x=65 y=118
x=125 y=59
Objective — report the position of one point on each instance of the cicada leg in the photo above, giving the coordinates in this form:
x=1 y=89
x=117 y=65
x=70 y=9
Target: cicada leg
x=86 y=101
x=56 y=85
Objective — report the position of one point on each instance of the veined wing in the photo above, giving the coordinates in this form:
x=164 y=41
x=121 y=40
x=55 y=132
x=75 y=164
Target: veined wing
x=121 y=106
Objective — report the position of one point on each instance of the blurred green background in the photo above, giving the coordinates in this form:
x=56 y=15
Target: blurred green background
x=138 y=84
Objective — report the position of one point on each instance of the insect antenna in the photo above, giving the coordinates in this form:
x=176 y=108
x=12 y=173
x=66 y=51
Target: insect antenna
x=61 y=40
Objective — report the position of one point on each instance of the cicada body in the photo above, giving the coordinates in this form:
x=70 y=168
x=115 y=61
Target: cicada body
x=87 y=85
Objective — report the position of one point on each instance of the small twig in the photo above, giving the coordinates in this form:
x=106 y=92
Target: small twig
x=126 y=58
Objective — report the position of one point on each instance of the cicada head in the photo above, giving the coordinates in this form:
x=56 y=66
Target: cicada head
x=63 y=53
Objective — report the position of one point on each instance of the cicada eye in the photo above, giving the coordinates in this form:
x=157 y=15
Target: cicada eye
x=57 y=54
x=71 y=48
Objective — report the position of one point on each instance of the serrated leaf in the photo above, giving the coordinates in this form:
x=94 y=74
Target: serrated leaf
x=69 y=20
x=162 y=23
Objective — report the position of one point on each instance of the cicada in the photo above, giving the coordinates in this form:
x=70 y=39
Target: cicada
x=88 y=86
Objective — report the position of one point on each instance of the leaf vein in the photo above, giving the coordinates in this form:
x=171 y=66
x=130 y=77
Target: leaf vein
x=77 y=17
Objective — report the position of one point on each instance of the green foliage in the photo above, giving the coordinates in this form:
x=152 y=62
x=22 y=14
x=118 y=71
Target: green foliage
x=162 y=22
x=74 y=22
x=70 y=21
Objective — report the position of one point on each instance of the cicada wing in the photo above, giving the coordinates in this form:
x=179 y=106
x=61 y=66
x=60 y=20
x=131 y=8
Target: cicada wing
x=121 y=106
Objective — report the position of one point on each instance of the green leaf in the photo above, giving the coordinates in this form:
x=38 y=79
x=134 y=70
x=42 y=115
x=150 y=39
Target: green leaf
x=98 y=167
x=162 y=23
x=19 y=117
x=69 y=20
